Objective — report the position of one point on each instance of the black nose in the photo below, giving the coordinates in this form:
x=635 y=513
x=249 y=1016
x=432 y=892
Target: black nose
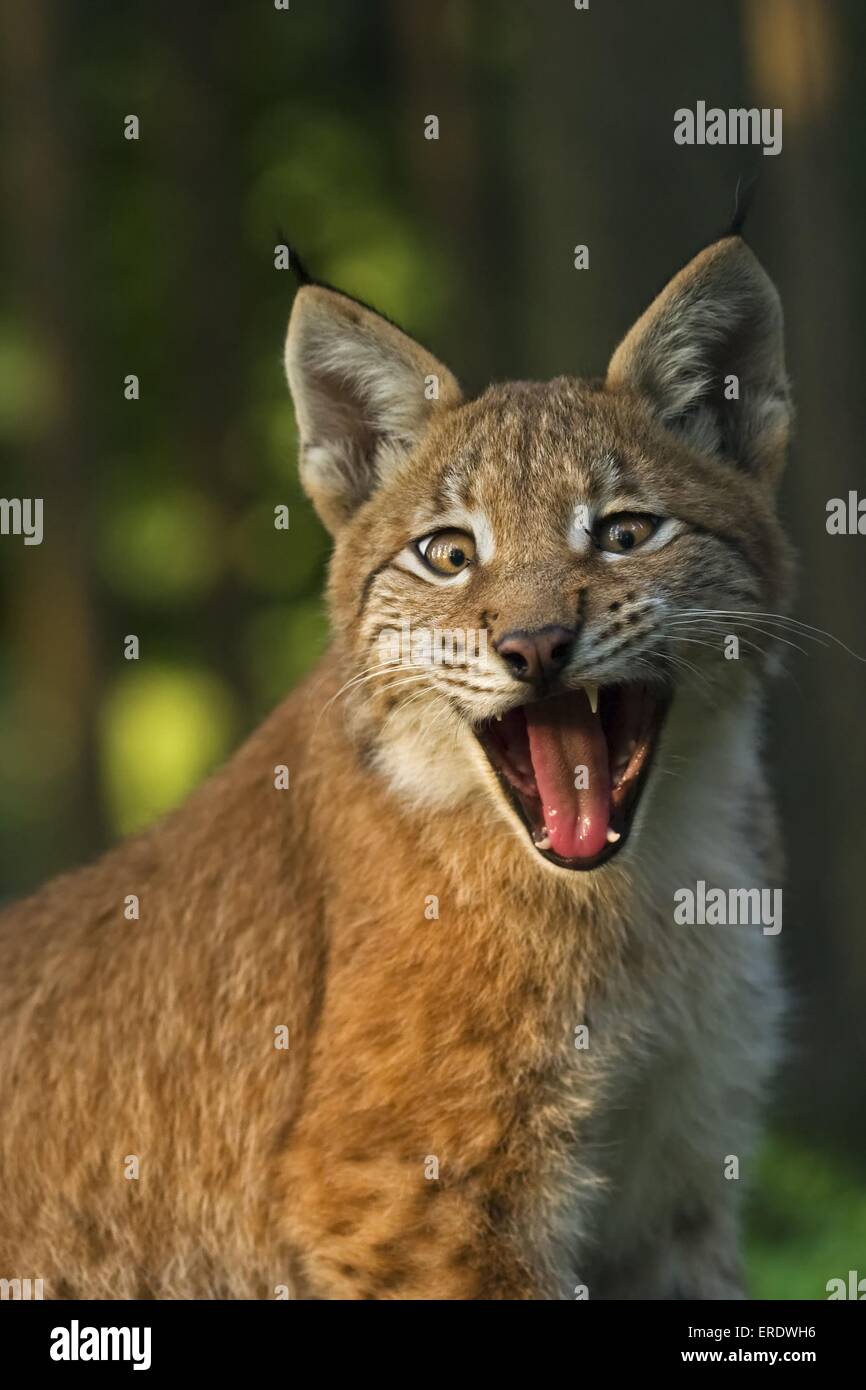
x=536 y=656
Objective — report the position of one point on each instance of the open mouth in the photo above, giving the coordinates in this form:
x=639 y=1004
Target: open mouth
x=574 y=767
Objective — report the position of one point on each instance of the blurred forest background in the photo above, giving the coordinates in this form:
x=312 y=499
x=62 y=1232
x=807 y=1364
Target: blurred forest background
x=156 y=257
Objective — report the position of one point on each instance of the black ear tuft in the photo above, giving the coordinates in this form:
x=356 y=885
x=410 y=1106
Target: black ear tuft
x=744 y=195
x=303 y=277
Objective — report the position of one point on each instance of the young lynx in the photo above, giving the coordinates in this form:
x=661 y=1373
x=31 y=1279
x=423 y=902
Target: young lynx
x=423 y=1024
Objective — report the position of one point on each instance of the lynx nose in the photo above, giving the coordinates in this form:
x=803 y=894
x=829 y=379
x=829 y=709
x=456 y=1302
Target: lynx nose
x=536 y=656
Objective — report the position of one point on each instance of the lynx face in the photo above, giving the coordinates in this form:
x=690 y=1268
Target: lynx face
x=530 y=589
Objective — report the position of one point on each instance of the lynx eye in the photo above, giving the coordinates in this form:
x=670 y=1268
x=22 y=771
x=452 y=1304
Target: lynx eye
x=448 y=552
x=624 y=532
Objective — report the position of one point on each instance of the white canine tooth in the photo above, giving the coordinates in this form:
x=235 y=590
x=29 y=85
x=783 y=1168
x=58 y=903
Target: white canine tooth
x=499 y=718
x=592 y=695
x=613 y=836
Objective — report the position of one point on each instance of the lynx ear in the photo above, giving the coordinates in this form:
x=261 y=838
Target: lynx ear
x=364 y=394
x=708 y=355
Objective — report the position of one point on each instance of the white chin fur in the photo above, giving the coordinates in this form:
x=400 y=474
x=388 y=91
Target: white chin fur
x=424 y=758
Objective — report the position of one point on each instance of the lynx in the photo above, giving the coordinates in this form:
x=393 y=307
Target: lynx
x=421 y=1023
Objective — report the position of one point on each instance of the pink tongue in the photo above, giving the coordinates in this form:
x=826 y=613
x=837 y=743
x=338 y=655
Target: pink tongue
x=565 y=737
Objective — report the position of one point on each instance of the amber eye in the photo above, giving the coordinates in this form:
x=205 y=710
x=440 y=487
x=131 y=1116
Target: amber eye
x=448 y=552
x=624 y=532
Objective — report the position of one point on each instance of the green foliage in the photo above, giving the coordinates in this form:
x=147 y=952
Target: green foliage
x=163 y=729
x=281 y=642
x=806 y=1223
x=159 y=545
x=24 y=384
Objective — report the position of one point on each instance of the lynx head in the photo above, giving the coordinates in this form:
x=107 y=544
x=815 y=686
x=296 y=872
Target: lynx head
x=531 y=589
